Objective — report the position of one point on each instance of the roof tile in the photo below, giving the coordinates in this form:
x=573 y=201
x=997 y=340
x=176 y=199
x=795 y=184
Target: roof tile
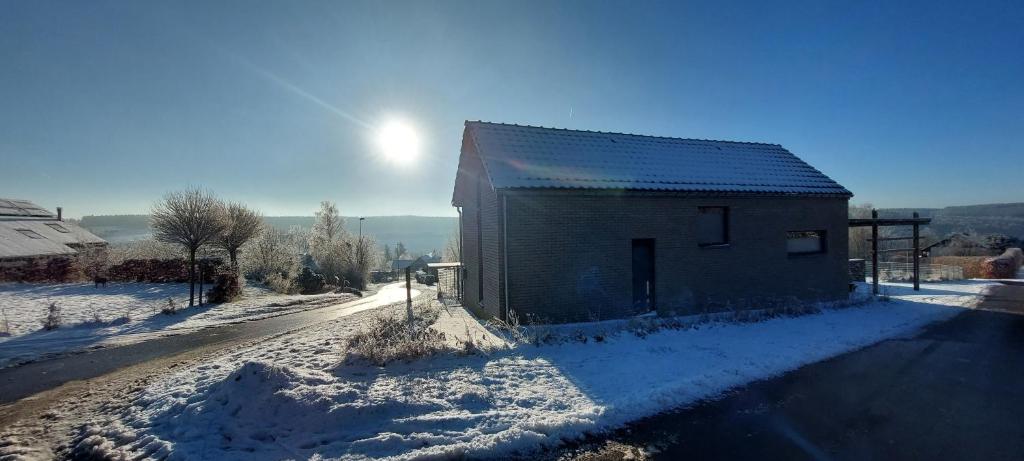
x=517 y=156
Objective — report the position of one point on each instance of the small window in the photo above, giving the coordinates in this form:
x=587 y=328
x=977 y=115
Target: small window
x=805 y=242
x=30 y=233
x=712 y=225
x=58 y=228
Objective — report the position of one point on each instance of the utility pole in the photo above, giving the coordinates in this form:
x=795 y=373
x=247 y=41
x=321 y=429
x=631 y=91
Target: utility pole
x=408 y=298
x=874 y=252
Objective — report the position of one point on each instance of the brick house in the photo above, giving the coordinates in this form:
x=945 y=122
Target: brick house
x=563 y=226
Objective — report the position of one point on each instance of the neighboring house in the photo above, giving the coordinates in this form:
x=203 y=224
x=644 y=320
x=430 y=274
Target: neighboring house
x=31 y=235
x=422 y=262
x=561 y=225
x=399 y=265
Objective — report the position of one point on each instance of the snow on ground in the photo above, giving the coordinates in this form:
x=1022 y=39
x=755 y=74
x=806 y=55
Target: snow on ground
x=291 y=397
x=124 y=313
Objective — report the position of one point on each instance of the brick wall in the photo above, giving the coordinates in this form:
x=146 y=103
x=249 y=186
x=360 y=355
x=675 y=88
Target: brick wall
x=570 y=253
x=480 y=209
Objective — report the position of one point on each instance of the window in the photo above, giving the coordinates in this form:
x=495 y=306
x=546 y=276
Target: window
x=805 y=242
x=712 y=225
x=58 y=228
x=30 y=233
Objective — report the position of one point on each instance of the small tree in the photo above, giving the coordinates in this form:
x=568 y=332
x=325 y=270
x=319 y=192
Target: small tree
x=53 y=318
x=271 y=252
x=400 y=250
x=329 y=245
x=451 y=249
x=240 y=225
x=188 y=218
x=387 y=253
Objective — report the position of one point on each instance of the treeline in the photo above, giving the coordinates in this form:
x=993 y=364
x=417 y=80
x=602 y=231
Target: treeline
x=419 y=233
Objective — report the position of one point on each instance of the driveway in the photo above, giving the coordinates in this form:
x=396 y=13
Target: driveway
x=954 y=391
x=25 y=380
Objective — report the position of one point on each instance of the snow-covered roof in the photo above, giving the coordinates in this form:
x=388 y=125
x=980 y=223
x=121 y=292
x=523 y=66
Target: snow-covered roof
x=399 y=264
x=21 y=238
x=516 y=156
x=16 y=207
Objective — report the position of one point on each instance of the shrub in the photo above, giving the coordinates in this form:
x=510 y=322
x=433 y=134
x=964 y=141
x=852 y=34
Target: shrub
x=389 y=338
x=281 y=284
x=226 y=287
x=309 y=282
x=5 y=326
x=972 y=265
x=171 y=308
x=271 y=252
x=1001 y=267
x=53 y=319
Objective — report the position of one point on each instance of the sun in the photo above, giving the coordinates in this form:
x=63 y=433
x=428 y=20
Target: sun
x=398 y=142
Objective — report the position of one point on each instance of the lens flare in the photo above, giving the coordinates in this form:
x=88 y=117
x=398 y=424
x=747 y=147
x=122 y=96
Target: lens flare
x=398 y=142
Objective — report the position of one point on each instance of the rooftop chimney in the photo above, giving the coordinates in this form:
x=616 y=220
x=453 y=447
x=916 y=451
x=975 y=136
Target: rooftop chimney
x=60 y=214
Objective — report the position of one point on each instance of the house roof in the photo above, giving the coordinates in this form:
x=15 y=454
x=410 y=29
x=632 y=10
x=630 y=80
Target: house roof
x=28 y=230
x=516 y=156
x=399 y=264
x=16 y=207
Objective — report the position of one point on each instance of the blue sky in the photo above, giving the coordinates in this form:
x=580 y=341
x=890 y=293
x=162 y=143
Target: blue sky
x=105 y=106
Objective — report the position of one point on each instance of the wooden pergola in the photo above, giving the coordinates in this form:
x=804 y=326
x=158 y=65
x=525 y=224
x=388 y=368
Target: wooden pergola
x=875 y=222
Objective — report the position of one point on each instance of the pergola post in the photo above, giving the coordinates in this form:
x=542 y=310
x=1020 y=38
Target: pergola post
x=917 y=256
x=874 y=251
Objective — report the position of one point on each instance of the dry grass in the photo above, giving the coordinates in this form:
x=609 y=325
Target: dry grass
x=389 y=338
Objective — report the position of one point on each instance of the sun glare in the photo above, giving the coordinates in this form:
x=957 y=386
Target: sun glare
x=399 y=142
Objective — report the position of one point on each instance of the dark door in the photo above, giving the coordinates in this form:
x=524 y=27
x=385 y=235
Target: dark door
x=643 y=274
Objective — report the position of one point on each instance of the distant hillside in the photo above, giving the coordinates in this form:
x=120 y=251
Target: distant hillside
x=420 y=234
x=996 y=218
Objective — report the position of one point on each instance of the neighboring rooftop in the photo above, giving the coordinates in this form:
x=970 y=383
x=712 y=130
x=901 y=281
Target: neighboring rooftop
x=516 y=156
x=27 y=230
x=22 y=208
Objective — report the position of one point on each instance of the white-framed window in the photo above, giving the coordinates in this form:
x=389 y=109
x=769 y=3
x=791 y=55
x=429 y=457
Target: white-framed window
x=805 y=242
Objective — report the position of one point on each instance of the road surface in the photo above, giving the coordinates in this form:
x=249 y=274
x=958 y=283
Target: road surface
x=22 y=381
x=953 y=391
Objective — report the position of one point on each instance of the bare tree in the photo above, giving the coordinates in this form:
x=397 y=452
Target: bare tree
x=189 y=218
x=327 y=225
x=240 y=225
x=859 y=246
x=400 y=250
x=451 y=248
x=271 y=252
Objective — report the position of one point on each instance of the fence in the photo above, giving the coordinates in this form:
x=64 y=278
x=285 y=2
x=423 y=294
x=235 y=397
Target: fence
x=449 y=282
x=904 y=272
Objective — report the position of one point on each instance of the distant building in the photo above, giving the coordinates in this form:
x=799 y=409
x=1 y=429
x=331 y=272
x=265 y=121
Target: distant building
x=563 y=225
x=420 y=264
x=399 y=265
x=31 y=235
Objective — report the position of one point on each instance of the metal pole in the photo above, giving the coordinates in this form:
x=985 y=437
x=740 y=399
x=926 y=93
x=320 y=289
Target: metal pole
x=408 y=297
x=874 y=252
x=359 y=251
x=917 y=256
x=200 y=282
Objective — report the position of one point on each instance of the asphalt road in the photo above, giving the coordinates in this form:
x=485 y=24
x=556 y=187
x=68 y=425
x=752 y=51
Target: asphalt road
x=26 y=380
x=954 y=391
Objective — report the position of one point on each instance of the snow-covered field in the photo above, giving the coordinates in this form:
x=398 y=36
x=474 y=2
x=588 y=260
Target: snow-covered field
x=123 y=313
x=292 y=397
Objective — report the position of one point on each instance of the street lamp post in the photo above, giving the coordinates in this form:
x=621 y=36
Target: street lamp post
x=359 y=250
